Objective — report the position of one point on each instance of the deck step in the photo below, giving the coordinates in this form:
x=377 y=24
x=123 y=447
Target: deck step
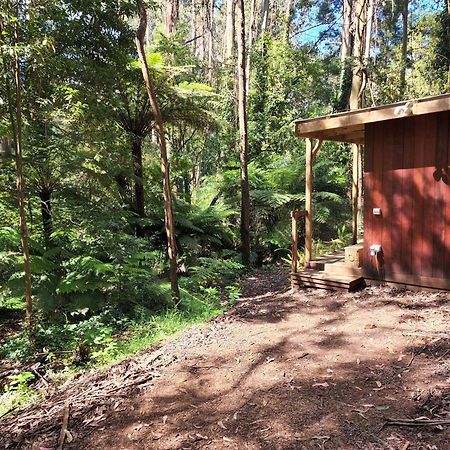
x=319 y=262
x=354 y=255
x=343 y=269
x=322 y=280
x=317 y=265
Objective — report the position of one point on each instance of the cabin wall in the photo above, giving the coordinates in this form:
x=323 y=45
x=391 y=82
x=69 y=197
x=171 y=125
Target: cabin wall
x=407 y=175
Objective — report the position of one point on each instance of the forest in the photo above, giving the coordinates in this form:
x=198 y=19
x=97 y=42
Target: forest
x=148 y=159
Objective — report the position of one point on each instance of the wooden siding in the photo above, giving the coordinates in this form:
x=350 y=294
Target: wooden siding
x=407 y=175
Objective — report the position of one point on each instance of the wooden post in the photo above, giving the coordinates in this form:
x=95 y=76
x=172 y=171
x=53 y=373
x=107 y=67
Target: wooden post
x=308 y=202
x=295 y=215
x=311 y=152
x=355 y=191
x=294 y=242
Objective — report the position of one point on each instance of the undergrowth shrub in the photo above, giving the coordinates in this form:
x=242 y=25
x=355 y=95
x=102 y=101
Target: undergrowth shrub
x=17 y=392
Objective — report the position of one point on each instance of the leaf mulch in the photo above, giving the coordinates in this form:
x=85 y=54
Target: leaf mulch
x=283 y=370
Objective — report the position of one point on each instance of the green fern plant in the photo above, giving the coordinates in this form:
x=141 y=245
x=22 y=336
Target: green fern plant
x=215 y=271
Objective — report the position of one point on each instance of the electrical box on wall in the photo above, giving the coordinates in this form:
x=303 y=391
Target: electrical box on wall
x=377 y=211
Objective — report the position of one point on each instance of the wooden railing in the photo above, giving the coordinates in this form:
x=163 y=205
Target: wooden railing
x=295 y=215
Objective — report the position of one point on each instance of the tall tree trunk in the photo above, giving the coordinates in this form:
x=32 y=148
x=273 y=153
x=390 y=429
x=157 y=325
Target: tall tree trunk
x=45 y=196
x=172 y=12
x=359 y=63
x=199 y=25
x=252 y=25
x=264 y=18
x=18 y=127
x=196 y=172
x=288 y=13
x=251 y=37
x=196 y=33
x=243 y=137
x=404 y=49
x=356 y=95
x=159 y=126
x=260 y=99
x=228 y=42
x=123 y=187
x=5 y=147
x=138 y=172
x=345 y=57
x=211 y=39
x=368 y=31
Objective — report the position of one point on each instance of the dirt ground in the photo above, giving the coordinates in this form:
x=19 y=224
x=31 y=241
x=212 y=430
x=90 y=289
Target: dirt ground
x=283 y=370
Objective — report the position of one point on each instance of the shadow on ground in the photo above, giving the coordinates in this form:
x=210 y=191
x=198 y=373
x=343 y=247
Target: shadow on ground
x=305 y=370
x=329 y=383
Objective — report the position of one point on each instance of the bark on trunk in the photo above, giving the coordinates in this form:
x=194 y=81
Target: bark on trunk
x=123 y=187
x=138 y=171
x=199 y=26
x=18 y=126
x=358 y=55
x=45 y=196
x=159 y=126
x=211 y=39
x=252 y=25
x=243 y=138
x=5 y=147
x=345 y=57
x=404 y=49
x=368 y=31
x=251 y=38
x=361 y=48
x=288 y=18
x=172 y=9
x=264 y=17
x=228 y=42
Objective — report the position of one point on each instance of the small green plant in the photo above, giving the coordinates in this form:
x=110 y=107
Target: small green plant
x=300 y=259
x=17 y=392
x=211 y=295
x=20 y=380
x=233 y=294
x=319 y=248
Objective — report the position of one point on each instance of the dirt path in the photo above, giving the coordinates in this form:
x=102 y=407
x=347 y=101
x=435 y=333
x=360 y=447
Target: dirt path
x=283 y=370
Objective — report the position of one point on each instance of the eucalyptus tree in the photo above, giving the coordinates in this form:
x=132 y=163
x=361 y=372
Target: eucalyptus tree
x=243 y=133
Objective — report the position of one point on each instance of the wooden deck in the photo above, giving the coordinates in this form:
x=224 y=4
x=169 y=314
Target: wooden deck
x=329 y=272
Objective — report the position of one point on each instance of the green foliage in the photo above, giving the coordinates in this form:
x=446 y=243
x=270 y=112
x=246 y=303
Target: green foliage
x=65 y=281
x=111 y=336
x=427 y=61
x=287 y=82
x=233 y=293
x=17 y=392
x=211 y=271
x=97 y=285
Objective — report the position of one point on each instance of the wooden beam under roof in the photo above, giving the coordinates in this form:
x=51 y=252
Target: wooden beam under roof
x=352 y=135
x=349 y=126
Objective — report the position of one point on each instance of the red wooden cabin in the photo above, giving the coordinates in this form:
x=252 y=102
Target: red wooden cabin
x=406 y=179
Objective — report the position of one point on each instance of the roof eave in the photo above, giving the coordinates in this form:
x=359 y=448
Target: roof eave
x=349 y=126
